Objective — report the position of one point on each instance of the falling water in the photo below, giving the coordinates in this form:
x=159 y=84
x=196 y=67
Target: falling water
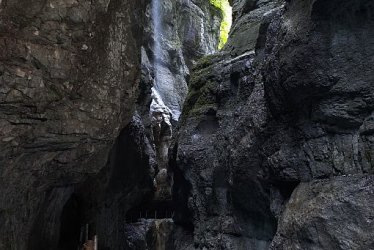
x=161 y=114
x=158 y=105
x=156 y=20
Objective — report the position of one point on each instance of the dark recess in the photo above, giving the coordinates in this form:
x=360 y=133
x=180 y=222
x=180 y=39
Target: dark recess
x=70 y=225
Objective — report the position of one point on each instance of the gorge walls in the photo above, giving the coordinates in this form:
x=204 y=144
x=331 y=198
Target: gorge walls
x=73 y=74
x=179 y=32
x=274 y=149
x=268 y=142
x=69 y=76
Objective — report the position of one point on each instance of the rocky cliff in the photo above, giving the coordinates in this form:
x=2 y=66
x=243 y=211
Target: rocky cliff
x=271 y=139
x=73 y=73
x=274 y=150
x=69 y=76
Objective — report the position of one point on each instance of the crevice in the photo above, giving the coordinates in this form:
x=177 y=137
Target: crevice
x=70 y=229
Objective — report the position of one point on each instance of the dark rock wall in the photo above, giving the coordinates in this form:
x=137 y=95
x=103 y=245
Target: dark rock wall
x=319 y=78
x=274 y=148
x=125 y=182
x=217 y=153
x=319 y=85
x=72 y=148
x=150 y=234
x=328 y=214
x=69 y=76
x=288 y=101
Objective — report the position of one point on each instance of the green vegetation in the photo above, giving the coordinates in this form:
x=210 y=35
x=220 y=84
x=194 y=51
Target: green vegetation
x=203 y=87
x=226 y=9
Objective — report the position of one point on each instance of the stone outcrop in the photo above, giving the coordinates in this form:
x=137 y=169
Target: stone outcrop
x=288 y=101
x=69 y=78
x=328 y=214
x=273 y=148
x=126 y=181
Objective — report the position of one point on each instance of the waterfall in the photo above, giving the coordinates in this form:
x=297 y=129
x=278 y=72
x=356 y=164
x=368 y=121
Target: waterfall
x=157 y=31
x=160 y=81
x=161 y=114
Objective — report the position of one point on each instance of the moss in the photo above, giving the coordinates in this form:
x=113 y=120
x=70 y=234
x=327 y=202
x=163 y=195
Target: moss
x=226 y=10
x=206 y=61
x=202 y=93
x=201 y=97
x=204 y=109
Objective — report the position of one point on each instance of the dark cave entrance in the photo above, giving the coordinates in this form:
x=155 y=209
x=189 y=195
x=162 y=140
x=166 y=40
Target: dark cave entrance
x=286 y=188
x=157 y=209
x=70 y=228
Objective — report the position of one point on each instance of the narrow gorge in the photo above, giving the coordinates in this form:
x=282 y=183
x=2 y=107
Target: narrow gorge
x=186 y=124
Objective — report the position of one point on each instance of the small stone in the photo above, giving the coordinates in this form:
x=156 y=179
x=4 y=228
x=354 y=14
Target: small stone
x=84 y=47
x=7 y=139
x=20 y=73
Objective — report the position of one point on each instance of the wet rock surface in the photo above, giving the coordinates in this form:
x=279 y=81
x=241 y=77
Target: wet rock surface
x=280 y=106
x=72 y=75
x=99 y=203
x=179 y=34
x=273 y=149
x=188 y=31
x=328 y=214
x=150 y=234
x=69 y=75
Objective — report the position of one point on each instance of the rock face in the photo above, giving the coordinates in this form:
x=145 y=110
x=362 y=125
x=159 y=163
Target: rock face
x=328 y=214
x=69 y=75
x=188 y=30
x=217 y=154
x=288 y=101
x=273 y=150
x=150 y=234
x=100 y=203
x=178 y=33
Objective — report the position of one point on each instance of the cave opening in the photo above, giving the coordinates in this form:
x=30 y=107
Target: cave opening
x=70 y=228
x=286 y=188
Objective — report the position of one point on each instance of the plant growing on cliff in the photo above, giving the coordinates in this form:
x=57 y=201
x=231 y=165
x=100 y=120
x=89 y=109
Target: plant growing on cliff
x=226 y=9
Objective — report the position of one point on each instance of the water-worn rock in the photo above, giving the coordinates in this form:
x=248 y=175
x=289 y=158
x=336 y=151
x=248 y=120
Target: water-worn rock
x=329 y=214
x=102 y=200
x=188 y=31
x=69 y=75
x=150 y=234
x=218 y=157
x=274 y=147
x=318 y=78
x=179 y=32
x=287 y=101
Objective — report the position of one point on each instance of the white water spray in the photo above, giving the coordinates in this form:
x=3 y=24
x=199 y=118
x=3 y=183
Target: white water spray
x=158 y=108
x=157 y=31
x=161 y=114
x=161 y=82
